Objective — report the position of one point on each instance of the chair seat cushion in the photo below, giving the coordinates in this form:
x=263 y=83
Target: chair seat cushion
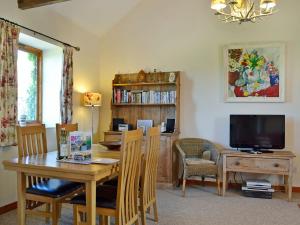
x=112 y=182
x=106 y=197
x=197 y=161
x=53 y=188
x=200 y=167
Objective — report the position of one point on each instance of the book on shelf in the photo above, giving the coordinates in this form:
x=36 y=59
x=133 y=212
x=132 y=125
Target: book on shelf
x=143 y=97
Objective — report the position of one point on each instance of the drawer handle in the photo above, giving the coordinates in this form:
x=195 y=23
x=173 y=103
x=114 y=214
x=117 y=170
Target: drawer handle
x=237 y=163
x=276 y=165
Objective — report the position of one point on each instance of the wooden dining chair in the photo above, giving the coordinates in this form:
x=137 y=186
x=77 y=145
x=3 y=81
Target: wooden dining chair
x=149 y=174
x=39 y=191
x=119 y=201
x=70 y=127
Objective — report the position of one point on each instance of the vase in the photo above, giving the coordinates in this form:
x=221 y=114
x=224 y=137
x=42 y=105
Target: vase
x=274 y=79
x=233 y=77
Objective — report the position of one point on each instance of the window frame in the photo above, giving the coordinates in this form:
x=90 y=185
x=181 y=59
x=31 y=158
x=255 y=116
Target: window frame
x=39 y=55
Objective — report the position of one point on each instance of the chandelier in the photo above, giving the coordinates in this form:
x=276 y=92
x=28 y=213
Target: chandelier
x=243 y=10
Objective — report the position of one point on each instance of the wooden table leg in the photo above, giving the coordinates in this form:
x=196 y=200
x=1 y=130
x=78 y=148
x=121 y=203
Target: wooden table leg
x=224 y=177
x=90 y=188
x=21 y=189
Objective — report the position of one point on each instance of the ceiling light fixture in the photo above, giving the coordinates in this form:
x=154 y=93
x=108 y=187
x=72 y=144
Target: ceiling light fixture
x=243 y=10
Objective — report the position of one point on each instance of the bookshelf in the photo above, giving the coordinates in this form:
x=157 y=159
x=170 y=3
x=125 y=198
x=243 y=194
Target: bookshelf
x=149 y=96
x=146 y=96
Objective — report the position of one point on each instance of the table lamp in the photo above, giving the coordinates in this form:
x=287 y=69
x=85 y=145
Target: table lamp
x=92 y=99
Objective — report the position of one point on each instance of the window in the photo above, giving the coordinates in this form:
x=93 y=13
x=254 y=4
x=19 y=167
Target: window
x=40 y=66
x=29 y=83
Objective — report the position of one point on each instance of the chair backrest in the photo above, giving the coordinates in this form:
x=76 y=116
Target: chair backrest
x=195 y=147
x=69 y=127
x=149 y=167
x=31 y=140
x=128 y=179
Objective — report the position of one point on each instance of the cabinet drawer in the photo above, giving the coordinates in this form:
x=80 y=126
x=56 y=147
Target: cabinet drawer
x=112 y=137
x=259 y=164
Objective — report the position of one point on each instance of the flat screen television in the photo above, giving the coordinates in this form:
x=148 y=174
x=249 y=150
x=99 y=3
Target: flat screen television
x=257 y=131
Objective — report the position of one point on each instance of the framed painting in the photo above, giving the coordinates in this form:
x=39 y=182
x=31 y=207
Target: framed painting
x=255 y=72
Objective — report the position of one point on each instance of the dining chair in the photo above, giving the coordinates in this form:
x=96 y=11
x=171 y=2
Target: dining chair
x=39 y=191
x=149 y=174
x=119 y=201
x=70 y=127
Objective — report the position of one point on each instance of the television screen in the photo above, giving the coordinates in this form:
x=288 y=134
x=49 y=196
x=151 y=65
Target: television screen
x=257 y=131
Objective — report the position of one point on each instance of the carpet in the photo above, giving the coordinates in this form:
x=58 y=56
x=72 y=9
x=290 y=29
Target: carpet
x=202 y=206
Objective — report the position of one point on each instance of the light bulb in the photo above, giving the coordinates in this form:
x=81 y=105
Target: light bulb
x=218 y=4
x=267 y=4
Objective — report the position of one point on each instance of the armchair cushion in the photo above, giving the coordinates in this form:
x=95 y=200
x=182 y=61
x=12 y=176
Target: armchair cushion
x=206 y=155
x=201 y=169
x=197 y=161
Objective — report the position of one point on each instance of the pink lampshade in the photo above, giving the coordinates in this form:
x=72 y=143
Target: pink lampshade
x=92 y=99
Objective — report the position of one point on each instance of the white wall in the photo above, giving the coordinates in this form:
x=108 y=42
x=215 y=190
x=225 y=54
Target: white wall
x=186 y=36
x=86 y=73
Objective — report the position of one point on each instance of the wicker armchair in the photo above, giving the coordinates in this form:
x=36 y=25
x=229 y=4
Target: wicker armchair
x=197 y=157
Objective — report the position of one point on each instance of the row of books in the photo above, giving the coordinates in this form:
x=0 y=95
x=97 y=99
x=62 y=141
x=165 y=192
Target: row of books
x=143 y=97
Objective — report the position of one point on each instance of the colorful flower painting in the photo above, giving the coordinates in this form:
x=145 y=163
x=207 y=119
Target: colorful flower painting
x=255 y=73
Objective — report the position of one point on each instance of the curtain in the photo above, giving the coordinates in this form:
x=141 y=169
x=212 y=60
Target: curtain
x=9 y=35
x=66 y=94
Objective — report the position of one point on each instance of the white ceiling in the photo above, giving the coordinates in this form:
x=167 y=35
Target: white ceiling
x=96 y=16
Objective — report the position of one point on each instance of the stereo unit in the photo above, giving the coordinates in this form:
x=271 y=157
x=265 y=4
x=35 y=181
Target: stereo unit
x=116 y=122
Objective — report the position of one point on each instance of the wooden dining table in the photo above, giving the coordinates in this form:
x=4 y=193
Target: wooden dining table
x=47 y=166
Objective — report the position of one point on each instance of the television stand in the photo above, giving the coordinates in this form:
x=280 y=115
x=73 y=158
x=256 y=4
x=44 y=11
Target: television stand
x=256 y=151
x=266 y=151
x=276 y=163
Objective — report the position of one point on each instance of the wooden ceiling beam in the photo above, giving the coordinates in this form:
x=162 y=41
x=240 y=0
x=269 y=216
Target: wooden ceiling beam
x=28 y=4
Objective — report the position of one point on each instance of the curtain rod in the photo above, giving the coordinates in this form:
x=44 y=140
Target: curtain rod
x=36 y=32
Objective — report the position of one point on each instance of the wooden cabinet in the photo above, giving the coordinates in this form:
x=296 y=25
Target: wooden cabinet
x=166 y=158
x=148 y=96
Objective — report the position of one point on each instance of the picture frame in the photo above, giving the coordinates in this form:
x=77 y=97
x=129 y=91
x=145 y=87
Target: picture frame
x=144 y=124
x=254 y=72
x=80 y=141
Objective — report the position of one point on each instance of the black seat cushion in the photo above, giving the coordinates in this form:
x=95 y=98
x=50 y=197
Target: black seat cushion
x=53 y=188
x=106 y=197
x=112 y=182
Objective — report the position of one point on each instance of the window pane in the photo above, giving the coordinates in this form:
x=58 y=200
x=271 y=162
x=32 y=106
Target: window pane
x=51 y=83
x=27 y=85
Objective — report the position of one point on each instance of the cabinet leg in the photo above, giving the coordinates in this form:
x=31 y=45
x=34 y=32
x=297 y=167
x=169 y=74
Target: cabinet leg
x=224 y=184
x=286 y=185
x=290 y=187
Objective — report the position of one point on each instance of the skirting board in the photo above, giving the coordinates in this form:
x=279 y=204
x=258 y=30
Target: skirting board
x=235 y=185
x=12 y=206
x=7 y=208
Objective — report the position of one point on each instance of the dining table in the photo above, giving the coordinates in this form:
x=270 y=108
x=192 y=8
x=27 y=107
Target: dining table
x=47 y=166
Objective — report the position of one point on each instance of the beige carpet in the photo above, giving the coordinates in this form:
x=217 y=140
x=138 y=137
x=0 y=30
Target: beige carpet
x=202 y=206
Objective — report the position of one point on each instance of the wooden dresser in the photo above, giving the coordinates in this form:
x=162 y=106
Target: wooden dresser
x=277 y=163
x=148 y=96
